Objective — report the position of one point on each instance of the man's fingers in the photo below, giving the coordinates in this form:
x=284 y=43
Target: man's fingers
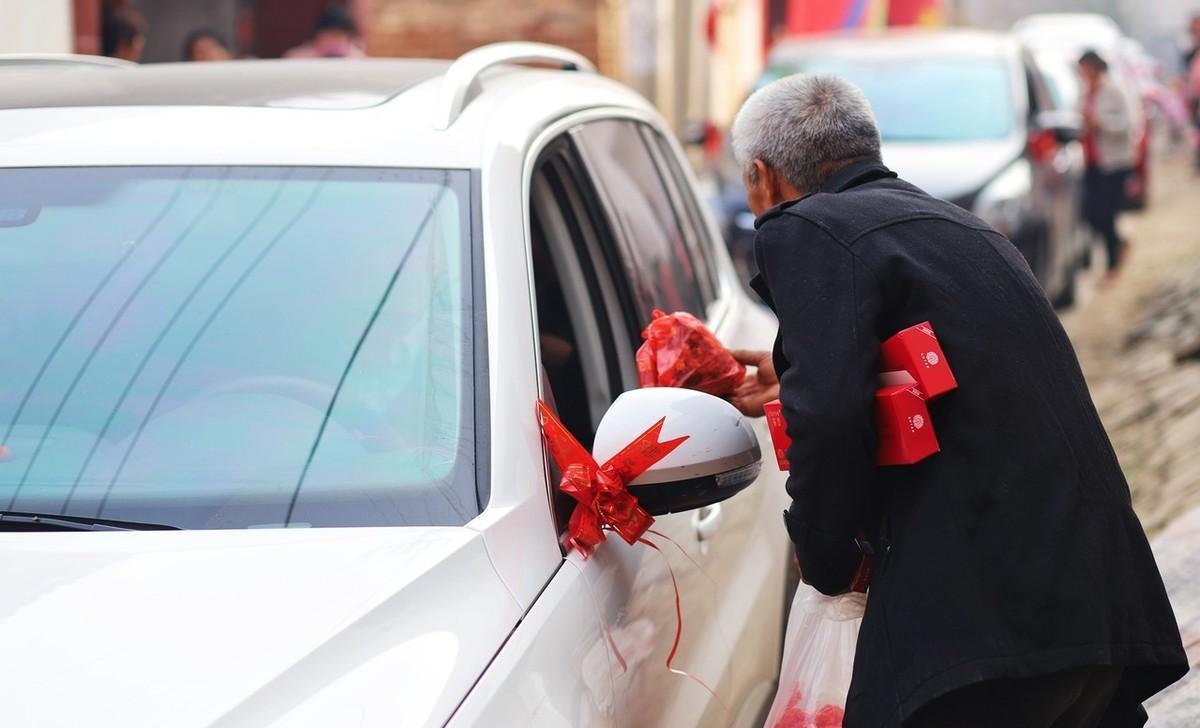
x=750 y=403
x=748 y=356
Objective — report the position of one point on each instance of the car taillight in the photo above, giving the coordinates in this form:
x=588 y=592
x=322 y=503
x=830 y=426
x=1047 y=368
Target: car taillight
x=1042 y=145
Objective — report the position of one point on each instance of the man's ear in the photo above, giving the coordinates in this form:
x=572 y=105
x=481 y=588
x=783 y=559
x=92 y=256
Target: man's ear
x=758 y=171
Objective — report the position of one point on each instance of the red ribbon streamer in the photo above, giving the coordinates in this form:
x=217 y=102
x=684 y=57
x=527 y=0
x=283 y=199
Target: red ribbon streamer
x=605 y=503
x=679 y=623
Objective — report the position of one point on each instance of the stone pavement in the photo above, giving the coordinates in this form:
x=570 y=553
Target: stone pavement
x=1178 y=554
x=1139 y=345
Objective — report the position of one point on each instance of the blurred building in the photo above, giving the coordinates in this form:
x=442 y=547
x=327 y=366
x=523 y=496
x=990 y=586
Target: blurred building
x=695 y=59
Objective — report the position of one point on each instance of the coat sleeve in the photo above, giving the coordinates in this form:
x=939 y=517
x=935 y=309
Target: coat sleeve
x=827 y=302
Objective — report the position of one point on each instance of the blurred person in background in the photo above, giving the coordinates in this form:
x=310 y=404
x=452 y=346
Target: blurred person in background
x=1191 y=81
x=205 y=45
x=1193 y=48
x=1108 y=149
x=335 y=36
x=122 y=32
x=1013 y=586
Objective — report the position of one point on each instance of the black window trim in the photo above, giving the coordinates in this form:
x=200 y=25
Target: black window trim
x=479 y=348
x=562 y=157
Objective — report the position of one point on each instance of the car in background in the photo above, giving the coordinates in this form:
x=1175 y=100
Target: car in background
x=965 y=116
x=274 y=333
x=1069 y=35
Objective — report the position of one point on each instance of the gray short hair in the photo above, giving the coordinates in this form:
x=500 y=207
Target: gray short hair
x=801 y=124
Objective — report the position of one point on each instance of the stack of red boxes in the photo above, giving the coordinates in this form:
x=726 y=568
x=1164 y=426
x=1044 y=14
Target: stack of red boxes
x=915 y=371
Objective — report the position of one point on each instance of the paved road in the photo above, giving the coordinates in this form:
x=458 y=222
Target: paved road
x=1139 y=344
x=1148 y=390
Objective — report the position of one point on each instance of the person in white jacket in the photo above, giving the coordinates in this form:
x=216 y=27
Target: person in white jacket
x=1193 y=89
x=1108 y=149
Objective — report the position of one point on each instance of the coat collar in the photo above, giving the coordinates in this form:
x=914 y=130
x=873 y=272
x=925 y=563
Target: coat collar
x=855 y=174
x=852 y=175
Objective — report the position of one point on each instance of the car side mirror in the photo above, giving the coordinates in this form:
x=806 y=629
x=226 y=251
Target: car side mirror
x=719 y=459
x=1066 y=126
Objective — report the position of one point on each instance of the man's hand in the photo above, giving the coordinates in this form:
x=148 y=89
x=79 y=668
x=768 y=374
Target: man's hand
x=759 y=387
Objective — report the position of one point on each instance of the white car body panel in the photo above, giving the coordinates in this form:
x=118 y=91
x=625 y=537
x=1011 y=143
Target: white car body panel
x=254 y=627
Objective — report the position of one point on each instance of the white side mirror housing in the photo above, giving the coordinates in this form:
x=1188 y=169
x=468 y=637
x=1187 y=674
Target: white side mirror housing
x=720 y=457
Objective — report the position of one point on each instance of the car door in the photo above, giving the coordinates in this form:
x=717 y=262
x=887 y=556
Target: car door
x=587 y=360
x=731 y=584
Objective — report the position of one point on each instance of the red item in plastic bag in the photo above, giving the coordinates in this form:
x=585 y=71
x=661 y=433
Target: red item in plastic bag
x=827 y=716
x=681 y=352
x=818 y=660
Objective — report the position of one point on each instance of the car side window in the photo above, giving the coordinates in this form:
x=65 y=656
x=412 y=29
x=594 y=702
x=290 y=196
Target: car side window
x=655 y=254
x=572 y=345
x=687 y=207
x=586 y=359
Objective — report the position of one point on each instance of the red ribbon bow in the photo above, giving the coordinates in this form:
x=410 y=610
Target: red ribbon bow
x=604 y=500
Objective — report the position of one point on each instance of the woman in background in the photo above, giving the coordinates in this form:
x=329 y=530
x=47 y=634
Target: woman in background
x=1108 y=150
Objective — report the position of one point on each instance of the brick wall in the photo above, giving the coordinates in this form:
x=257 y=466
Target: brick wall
x=448 y=28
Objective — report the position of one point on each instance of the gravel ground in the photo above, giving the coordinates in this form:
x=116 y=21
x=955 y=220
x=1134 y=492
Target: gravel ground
x=1139 y=345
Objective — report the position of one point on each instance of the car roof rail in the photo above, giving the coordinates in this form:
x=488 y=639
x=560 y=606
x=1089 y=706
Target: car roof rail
x=63 y=59
x=459 y=84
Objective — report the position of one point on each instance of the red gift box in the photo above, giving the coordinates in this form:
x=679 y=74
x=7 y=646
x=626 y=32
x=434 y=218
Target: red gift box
x=903 y=426
x=916 y=350
x=778 y=428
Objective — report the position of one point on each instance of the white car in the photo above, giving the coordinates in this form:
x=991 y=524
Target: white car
x=273 y=336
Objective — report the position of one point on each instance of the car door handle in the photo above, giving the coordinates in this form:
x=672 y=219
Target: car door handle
x=707 y=520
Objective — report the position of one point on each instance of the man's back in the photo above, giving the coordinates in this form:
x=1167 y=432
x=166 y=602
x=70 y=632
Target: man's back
x=1015 y=550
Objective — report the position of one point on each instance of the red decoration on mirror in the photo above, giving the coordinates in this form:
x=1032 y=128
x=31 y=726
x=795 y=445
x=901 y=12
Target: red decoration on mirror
x=604 y=500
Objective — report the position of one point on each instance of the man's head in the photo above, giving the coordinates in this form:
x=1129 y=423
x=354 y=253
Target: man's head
x=1194 y=27
x=792 y=134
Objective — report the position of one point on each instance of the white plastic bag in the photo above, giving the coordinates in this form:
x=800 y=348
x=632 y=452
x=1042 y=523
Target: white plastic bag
x=818 y=660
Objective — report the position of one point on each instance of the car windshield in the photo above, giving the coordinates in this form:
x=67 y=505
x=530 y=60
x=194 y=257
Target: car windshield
x=238 y=347
x=924 y=99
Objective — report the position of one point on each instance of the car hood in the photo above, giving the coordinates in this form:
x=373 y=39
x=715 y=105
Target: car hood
x=346 y=627
x=950 y=170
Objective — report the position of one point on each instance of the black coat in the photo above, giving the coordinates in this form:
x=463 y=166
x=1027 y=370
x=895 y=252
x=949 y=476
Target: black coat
x=1013 y=552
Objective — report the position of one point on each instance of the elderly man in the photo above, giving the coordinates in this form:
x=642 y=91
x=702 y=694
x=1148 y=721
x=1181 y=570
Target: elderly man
x=1013 y=585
